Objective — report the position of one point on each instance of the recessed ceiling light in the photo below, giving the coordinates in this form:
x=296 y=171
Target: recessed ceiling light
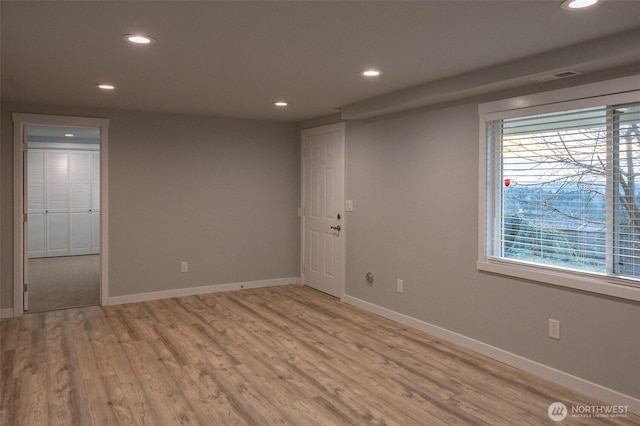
x=371 y=73
x=69 y=135
x=105 y=86
x=281 y=103
x=577 y=4
x=138 y=39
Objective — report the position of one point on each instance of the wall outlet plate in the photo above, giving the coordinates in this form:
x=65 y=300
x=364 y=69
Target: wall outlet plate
x=554 y=329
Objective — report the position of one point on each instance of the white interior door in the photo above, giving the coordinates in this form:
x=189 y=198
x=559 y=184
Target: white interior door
x=323 y=197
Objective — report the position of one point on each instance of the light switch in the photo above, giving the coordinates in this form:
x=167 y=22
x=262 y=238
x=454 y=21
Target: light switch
x=348 y=205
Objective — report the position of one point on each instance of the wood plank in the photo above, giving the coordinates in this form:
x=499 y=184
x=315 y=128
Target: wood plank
x=280 y=355
x=100 y=408
x=32 y=400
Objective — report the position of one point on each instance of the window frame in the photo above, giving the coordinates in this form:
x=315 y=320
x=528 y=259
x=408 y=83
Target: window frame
x=616 y=91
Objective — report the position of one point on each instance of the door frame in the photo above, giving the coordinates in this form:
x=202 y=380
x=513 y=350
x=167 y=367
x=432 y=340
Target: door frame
x=330 y=128
x=20 y=121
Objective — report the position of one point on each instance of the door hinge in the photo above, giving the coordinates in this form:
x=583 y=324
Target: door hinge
x=24 y=217
x=304 y=269
x=25 y=147
x=25 y=287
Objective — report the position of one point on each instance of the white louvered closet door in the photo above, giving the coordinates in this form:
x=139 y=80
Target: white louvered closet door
x=36 y=242
x=57 y=202
x=80 y=203
x=63 y=208
x=95 y=202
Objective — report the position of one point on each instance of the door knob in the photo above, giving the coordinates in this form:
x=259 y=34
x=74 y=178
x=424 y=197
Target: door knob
x=337 y=228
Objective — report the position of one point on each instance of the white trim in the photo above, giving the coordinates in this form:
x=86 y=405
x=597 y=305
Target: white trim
x=192 y=291
x=574 y=383
x=609 y=286
x=19 y=121
x=18 y=211
x=104 y=214
x=6 y=313
x=329 y=128
x=303 y=210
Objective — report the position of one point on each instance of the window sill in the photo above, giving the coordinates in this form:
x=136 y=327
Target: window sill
x=608 y=286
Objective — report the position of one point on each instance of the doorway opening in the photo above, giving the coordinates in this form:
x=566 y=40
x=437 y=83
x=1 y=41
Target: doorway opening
x=63 y=217
x=60 y=203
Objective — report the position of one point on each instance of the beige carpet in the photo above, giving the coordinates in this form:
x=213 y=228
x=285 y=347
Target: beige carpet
x=63 y=282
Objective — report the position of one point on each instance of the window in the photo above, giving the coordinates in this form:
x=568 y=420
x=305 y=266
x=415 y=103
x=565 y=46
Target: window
x=562 y=191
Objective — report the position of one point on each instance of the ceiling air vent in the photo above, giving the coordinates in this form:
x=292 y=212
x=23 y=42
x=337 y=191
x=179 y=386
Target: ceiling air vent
x=555 y=76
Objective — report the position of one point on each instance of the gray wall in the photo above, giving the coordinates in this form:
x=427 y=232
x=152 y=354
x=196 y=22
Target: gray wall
x=219 y=193
x=414 y=183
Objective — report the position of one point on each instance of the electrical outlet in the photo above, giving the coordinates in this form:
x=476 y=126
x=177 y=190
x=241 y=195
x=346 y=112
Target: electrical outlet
x=400 y=286
x=184 y=266
x=554 y=329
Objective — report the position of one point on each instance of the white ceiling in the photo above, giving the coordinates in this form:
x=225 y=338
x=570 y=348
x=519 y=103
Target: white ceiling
x=235 y=58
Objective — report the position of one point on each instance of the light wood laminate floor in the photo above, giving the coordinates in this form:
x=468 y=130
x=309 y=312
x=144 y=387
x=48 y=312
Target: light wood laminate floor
x=280 y=355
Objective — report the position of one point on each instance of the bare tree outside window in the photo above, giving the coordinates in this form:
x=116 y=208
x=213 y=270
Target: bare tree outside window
x=556 y=171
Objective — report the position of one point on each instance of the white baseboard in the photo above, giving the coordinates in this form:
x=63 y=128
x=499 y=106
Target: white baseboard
x=192 y=291
x=577 y=384
x=6 y=313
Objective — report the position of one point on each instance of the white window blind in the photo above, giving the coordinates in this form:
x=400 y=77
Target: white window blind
x=565 y=190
